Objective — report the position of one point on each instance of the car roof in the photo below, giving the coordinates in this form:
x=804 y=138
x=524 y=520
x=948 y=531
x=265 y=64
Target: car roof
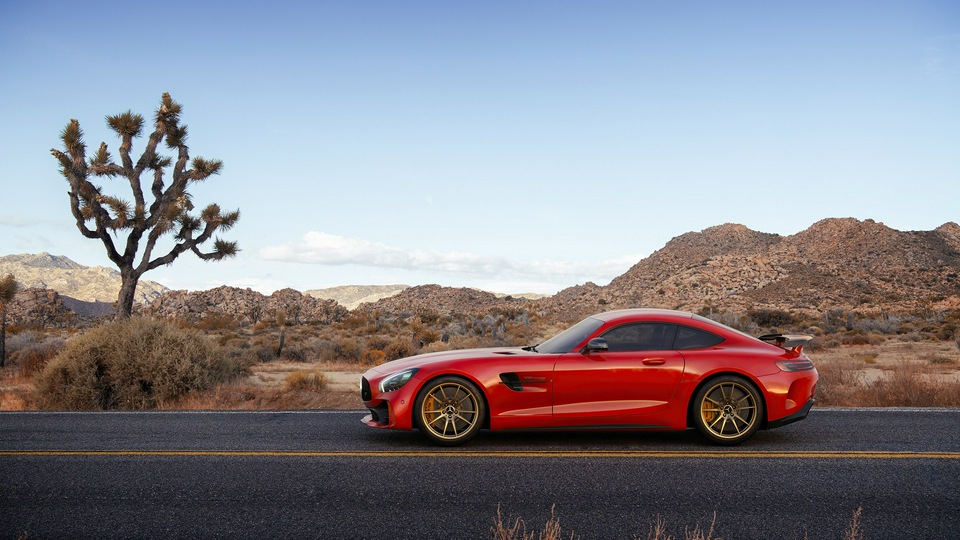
x=676 y=317
x=642 y=313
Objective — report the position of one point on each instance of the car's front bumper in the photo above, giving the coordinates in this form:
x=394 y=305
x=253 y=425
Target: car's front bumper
x=391 y=410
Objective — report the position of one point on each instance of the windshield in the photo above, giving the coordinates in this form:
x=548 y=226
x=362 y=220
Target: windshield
x=566 y=340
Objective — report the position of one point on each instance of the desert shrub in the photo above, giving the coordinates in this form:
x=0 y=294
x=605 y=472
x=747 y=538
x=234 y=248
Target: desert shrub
x=910 y=385
x=882 y=324
x=233 y=340
x=137 y=363
x=771 y=318
x=400 y=348
x=347 y=349
x=32 y=358
x=374 y=357
x=836 y=320
x=294 y=353
x=938 y=359
x=436 y=346
x=262 y=326
x=313 y=381
x=377 y=342
x=259 y=354
x=16 y=341
x=857 y=337
x=216 y=321
x=840 y=381
x=733 y=320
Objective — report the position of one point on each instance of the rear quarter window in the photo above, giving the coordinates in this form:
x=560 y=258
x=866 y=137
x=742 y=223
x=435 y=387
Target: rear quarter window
x=694 y=338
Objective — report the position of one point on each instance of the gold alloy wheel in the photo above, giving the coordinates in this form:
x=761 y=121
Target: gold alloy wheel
x=450 y=410
x=728 y=410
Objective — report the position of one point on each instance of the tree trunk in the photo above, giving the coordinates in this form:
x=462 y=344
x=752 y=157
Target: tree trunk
x=128 y=290
x=3 y=337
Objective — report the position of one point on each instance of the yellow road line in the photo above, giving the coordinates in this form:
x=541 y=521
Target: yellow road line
x=552 y=454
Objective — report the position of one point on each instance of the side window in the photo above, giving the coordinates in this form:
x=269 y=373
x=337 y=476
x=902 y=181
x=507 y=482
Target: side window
x=694 y=338
x=640 y=337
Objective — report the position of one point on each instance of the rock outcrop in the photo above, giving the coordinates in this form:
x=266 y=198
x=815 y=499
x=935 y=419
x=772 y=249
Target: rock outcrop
x=246 y=306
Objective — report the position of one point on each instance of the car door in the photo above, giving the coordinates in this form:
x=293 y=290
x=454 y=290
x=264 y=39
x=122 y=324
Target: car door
x=638 y=374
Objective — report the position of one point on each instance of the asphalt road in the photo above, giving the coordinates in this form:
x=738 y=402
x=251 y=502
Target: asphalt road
x=324 y=475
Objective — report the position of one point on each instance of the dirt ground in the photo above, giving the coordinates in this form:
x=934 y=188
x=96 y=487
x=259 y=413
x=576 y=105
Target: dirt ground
x=343 y=381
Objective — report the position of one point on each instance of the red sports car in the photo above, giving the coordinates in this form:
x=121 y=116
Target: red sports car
x=631 y=369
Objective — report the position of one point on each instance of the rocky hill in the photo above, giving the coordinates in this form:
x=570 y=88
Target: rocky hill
x=37 y=306
x=89 y=284
x=351 y=296
x=835 y=264
x=245 y=305
x=438 y=300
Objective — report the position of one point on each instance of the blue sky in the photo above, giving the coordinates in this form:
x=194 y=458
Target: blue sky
x=510 y=146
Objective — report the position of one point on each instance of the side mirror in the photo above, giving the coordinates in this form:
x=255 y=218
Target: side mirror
x=597 y=345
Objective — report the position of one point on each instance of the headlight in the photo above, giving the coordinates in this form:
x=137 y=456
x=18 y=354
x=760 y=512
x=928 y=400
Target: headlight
x=397 y=380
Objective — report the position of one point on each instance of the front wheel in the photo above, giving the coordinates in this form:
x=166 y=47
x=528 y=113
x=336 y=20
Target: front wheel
x=729 y=410
x=449 y=410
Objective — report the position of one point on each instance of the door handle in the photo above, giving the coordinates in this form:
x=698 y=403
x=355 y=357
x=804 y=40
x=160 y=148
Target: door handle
x=654 y=361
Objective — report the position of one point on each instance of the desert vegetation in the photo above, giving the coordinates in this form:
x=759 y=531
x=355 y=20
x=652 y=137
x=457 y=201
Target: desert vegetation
x=283 y=362
x=508 y=528
x=135 y=363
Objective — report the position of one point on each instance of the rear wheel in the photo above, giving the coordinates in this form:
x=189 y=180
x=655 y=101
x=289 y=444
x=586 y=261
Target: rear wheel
x=449 y=410
x=728 y=410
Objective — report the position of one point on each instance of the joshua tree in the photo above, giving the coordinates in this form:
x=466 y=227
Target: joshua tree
x=104 y=217
x=8 y=289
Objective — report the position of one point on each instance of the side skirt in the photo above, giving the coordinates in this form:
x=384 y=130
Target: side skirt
x=606 y=427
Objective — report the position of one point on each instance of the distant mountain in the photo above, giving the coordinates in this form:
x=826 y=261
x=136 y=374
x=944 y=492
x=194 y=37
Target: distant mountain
x=70 y=279
x=351 y=296
x=835 y=264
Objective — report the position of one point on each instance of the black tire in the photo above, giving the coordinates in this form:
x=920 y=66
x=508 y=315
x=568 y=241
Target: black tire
x=728 y=410
x=449 y=410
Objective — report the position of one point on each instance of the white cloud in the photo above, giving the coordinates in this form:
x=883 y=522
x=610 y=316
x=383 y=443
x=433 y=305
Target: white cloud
x=15 y=221
x=328 y=249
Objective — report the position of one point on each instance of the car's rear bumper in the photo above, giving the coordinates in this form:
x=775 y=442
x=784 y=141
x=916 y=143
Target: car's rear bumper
x=795 y=417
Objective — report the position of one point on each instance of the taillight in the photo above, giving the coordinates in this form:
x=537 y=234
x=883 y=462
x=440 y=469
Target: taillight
x=798 y=364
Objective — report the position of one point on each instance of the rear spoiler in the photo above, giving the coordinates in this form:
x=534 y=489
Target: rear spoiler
x=787 y=341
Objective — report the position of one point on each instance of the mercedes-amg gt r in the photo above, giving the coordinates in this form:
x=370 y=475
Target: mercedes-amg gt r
x=637 y=369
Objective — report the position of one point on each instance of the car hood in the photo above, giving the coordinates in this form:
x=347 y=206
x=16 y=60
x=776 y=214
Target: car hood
x=421 y=360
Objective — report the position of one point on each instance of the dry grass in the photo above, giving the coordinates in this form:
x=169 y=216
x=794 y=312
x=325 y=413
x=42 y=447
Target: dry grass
x=895 y=375
x=515 y=529
x=279 y=385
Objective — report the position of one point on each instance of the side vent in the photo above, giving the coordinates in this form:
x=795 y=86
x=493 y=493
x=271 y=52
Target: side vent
x=512 y=380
